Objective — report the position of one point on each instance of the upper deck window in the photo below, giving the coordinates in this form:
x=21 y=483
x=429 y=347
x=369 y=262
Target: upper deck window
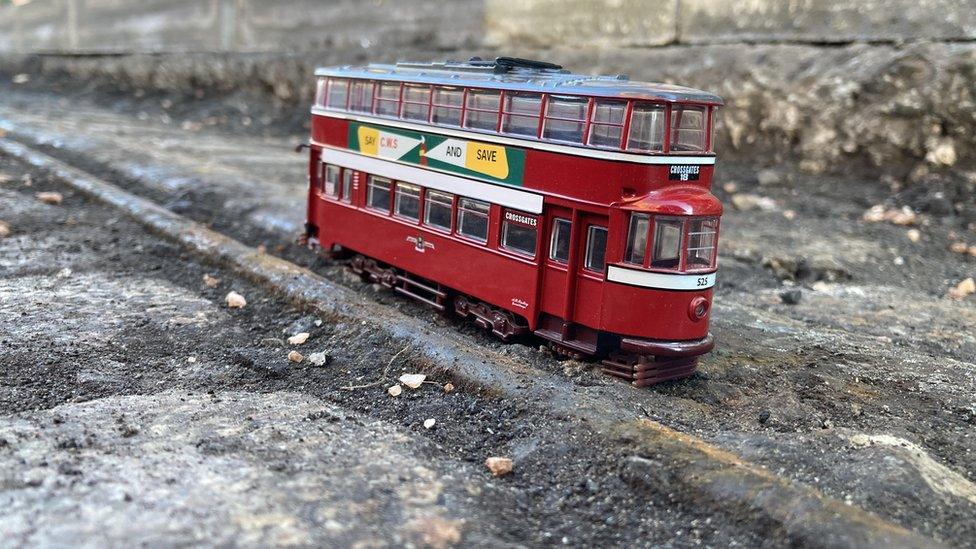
x=481 y=110
x=361 y=96
x=387 y=99
x=607 y=123
x=646 y=128
x=565 y=118
x=416 y=103
x=320 y=87
x=688 y=129
x=447 y=103
x=521 y=113
x=338 y=89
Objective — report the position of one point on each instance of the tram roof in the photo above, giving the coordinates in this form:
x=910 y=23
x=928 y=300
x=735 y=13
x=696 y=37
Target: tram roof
x=524 y=75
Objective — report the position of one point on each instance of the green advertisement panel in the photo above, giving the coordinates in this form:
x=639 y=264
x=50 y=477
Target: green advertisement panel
x=475 y=159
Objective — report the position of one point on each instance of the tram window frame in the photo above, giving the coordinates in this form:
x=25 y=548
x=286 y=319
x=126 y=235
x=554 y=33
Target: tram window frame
x=637 y=239
x=655 y=134
x=555 y=240
x=330 y=185
x=672 y=260
x=680 y=129
x=335 y=99
x=477 y=114
x=443 y=112
x=700 y=240
x=514 y=221
x=415 y=99
x=402 y=194
x=440 y=200
x=347 y=183
x=375 y=182
x=361 y=93
x=517 y=116
x=384 y=104
x=589 y=256
x=602 y=118
x=556 y=120
x=321 y=85
x=464 y=212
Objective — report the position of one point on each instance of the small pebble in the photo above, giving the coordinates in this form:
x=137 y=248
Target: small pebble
x=319 y=359
x=395 y=390
x=429 y=423
x=499 y=466
x=235 y=300
x=52 y=198
x=413 y=380
x=295 y=356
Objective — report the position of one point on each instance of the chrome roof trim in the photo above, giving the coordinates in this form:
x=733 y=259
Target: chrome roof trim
x=523 y=79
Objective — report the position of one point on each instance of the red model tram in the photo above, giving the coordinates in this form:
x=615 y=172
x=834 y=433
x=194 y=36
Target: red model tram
x=529 y=199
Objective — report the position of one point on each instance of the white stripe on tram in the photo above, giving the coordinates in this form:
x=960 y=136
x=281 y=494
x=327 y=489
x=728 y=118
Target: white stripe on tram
x=496 y=194
x=602 y=154
x=660 y=280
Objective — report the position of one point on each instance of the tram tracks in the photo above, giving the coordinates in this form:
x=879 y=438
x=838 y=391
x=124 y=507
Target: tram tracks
x=691 y=468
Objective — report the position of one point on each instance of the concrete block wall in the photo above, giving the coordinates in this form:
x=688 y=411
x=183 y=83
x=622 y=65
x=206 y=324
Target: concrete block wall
x=246 y=26
x=155 y=26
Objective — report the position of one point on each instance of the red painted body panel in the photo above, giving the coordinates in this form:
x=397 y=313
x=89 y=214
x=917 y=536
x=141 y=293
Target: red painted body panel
x=652 y=314
x=493 y=276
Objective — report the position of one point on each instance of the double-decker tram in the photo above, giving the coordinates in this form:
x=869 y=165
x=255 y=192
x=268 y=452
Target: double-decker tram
x=528 y=199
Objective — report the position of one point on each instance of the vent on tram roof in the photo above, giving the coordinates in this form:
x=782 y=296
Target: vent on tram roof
x=499 y=65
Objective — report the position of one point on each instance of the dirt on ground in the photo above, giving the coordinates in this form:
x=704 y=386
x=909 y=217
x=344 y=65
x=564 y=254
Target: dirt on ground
x=137 y=407
x=843 y=362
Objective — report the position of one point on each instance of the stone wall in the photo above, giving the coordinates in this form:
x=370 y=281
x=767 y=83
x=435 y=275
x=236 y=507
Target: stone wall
x=153 y=26
x=176 y=26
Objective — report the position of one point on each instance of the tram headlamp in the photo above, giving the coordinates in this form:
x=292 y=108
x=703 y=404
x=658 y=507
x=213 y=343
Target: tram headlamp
x=698 y=308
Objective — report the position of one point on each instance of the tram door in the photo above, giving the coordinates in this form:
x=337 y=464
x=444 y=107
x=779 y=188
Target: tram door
x=591 y=231
x=574 y=267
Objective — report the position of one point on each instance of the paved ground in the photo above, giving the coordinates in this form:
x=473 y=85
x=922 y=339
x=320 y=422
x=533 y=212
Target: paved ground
x=864 y=389
x=135 y=407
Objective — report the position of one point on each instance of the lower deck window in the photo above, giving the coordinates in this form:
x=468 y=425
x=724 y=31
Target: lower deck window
x=637 y=238
x=559 y=243
x=378 y=194
x=347 y=175
x=473 y=219
x=332 y=180
x=596 y=248
x=439 y=210
x=701 y=243
x=666 y=252
x=519 y=233
x=407 y=201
